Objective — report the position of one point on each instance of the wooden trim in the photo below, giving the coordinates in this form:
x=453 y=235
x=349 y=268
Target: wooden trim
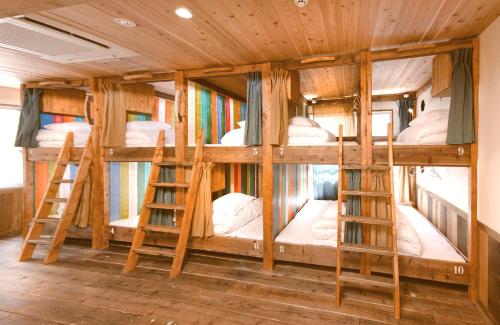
x=155 y=77
x=268 y=178
x=217 y=89
x=224 y=71
x=492 y=233
x=388 y=98
x=473 y=255
x=437 y=48
x=165 y=96
x=346 y=59
x=55 y=84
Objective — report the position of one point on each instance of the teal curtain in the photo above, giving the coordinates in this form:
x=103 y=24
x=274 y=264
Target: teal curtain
x=253 y=114
x=353 y=231
x=29 y=120
x=404 y=114
x=164 y=195
x=461 y=118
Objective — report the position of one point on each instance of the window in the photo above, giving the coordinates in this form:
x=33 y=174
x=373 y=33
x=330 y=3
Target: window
x=380 y=119
x=11 y=164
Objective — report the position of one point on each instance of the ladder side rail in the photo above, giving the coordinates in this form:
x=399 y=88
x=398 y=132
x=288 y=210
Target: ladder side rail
x=339 y=216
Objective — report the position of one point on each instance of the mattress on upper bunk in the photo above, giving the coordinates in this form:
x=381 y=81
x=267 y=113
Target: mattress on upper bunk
x=433 y=245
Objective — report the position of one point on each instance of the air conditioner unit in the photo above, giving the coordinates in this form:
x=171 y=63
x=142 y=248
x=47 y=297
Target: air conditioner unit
x=56 y=43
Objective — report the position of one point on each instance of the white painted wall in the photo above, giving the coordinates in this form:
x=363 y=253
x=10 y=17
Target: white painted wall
x=489 y=127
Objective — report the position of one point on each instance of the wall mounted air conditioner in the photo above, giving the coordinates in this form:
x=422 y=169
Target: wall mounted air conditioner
x=55 y=42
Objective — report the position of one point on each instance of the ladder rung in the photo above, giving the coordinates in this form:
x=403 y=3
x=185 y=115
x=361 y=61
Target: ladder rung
x=154 y=251
x=43 y=240
x=184 y=185
x=372 y=167
x=173 y=163
x=165 y=206
x=47 y=220
x=165 y=229
x=359 y=248
x=367 y=220
x=367 y=193
x=373 y=280
x=70 y=162
x=57 y=200
x=63 y=181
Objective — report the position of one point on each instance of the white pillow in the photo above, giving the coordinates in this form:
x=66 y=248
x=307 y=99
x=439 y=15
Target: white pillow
x=232 y=203
x=147 y=125
x=233 y=138
x=431 y=116
x=68 y=126
x=304 y=121
x=234 y=210
x=408 y=240
x=241 y=124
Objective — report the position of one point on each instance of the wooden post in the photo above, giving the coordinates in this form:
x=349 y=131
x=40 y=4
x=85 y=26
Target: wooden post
x=267 y=179
x=473 y=176
x=366 y=146
x=99 y=224
x=181 y=138
x=28 y=187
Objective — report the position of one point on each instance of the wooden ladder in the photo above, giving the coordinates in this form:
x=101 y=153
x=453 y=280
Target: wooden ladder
x=138 y=248
x=41 y=219
x=359 y=278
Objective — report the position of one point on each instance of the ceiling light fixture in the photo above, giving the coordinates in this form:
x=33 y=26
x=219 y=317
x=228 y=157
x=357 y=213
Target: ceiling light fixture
x=124 y=22
x=183 y=13
x=310 y=96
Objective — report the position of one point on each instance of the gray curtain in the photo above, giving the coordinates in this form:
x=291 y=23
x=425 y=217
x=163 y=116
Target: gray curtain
x=164 y=195
x=404 y=113
x=253 y=117
x=461 y=118
x=353 y=231
x=29 y=120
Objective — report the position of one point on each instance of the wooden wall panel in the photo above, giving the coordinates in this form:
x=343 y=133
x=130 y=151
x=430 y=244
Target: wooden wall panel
x=138 y=98
x=11 y=209
x=63 y=101
x=489 y=272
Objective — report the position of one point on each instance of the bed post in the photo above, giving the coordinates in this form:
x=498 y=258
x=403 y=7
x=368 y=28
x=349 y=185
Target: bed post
x=267 y=180
x=181 y=132
x=28 y=189
x=366 y=146
x=473 y=175
x=99 y=224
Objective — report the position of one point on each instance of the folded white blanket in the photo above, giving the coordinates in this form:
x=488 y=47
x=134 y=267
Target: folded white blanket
x=237 y=211
x=147 y=126
x=148 y=137
x=68 y=126
x=415 y=134
x=439 y=138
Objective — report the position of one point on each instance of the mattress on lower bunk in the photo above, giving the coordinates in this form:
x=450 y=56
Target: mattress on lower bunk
x=434 y=244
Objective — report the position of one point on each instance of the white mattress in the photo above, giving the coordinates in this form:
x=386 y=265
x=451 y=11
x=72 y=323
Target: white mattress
x=434 y=244
x=130 y=222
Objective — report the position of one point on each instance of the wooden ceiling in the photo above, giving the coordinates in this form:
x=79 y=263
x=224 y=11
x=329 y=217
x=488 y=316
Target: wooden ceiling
x=401 y=76
x=231 y=32
x=328 y=83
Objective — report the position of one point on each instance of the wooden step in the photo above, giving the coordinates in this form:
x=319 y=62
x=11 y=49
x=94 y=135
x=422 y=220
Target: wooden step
x=164 y=229
x=181 y=185
x=47 y=220
x=154 y=251
x=367 y=193
x=63 y=181
x=366 y=167
x=366 y=220
x=43 y=240
x=165 y=206
x=371 y=280
x=360 y=248
x=173 y=163
x=57 y=200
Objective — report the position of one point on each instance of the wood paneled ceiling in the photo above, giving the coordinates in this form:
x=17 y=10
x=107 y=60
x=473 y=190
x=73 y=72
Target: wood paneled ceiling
x=329 y=83
x=401 y=76
x=231 y=32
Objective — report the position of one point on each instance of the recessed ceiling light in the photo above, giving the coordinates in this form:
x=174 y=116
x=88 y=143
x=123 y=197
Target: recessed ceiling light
x=124 y=22
x=183 y=13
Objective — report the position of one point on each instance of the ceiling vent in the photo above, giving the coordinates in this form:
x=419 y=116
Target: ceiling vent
x=56 y=43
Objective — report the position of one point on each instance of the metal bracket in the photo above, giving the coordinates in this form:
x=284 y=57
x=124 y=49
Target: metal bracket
x=460 y=151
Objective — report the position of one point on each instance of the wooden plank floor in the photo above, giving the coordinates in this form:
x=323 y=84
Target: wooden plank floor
x=88 y=287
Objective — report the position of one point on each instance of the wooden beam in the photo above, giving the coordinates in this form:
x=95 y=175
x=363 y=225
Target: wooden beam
x=99 y=224
x=330 y=101
x=154 y=77
x=222 y=71
x=267 y=181
x=314 y=64
x=388 y=97
x=431 y=49
x=220 y=90
x=165 y=96
x=55 y=84
x=473 y=287
x=181 y=137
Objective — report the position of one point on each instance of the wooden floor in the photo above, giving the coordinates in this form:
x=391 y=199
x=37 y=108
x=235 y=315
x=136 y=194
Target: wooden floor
x=88 y=287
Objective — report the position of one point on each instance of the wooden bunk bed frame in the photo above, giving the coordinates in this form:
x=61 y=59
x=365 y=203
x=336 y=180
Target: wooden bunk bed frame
x=267 y=155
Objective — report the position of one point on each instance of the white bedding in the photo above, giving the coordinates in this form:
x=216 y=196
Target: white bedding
x=53 y=135
x=434 y=244
x=145 y=133
x=428 y=128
